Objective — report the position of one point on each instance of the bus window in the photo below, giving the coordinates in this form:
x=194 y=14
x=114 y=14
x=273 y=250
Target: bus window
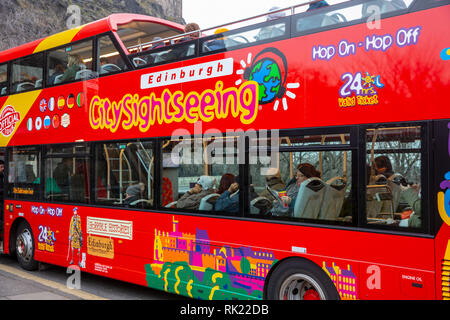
x=306 y=184
x=110 y=60
x=23 y=173
x=3 y=79
x=67 y=174
x=164 y=54
x=394 y=176
x=124 y=174
x=27 y=73
x=202 y=174
x=70 y=63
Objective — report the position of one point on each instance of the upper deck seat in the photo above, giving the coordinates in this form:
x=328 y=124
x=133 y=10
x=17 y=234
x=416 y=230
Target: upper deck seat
x=24 y=86
x=309 y=199
x=260 y=205
x=333 y=198
x=108 y=68
x=383 y=5
x=85 y=74
x=58 y=79
x=4 y=90
x=38 y=83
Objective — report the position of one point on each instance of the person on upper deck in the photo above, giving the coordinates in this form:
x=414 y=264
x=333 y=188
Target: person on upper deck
x=74 y=64
x=317 y=5
x=190 y=27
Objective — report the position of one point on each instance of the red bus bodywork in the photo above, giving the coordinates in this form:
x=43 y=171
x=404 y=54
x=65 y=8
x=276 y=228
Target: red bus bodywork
x=374 y=264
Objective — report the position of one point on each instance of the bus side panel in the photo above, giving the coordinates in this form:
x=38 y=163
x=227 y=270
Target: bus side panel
x=192 y=255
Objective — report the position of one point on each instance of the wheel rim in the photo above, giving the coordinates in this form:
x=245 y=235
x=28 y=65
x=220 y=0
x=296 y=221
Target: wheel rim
x=24 y=245
x=301 y=287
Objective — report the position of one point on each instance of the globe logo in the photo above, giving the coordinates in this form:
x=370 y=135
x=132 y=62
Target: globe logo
x=267 y=74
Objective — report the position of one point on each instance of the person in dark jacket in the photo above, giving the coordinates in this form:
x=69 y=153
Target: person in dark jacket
x=229 y=200
x=133 y=193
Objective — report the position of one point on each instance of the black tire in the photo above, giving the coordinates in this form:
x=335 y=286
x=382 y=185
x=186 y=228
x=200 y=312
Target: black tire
x=25 y=247
x=297 y=279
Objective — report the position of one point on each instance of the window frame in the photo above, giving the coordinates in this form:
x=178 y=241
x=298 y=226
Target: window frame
x=351 y=147
x=8 y=194
x=82 y=155
x=116 y=44
x=8 y=78
x=94 y=61
x=93 y=181
x=425 y=177
x=11 y=69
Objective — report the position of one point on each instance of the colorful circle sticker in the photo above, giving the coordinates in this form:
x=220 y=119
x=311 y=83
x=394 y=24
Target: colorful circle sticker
x=47 y=122
x=81 y=99
x=61 y=102
x=30 y=124
x=56 y=121
x=51 y=104
x=38 y=123
x=43 y=105
x=70 y=101
x=65 y=120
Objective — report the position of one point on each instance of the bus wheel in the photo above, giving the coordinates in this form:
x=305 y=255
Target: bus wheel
x=25 y=247
x=300 y=280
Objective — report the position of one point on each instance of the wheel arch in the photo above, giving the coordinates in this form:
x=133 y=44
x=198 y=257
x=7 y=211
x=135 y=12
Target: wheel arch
x=13 y=233
x=295 y=260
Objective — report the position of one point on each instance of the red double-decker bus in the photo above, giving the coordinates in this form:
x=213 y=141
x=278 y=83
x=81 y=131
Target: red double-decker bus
x=301 y=157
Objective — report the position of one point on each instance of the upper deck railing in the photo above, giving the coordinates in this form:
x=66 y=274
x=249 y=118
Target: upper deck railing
x=343 y=11
x=291 y=10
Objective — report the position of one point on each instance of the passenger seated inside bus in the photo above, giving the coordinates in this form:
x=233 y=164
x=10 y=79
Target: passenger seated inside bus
x=29 y=173
x=133 y=193
x=273 y=182
x=192 y=198
x=226 y=181
x=190 y=27
x=412 y=196
x=304 y=172
x=74 y=65
x=59 y=70
x=229 y=199
x=216 y=44
x=62 y=174
x=382 y=165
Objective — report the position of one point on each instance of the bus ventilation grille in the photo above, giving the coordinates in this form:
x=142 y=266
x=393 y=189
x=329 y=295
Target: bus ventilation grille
x=446 y=279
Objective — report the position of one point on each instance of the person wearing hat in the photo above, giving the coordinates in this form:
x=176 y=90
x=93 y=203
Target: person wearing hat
x=317 y=5
x=191 y=199
x=133 y=193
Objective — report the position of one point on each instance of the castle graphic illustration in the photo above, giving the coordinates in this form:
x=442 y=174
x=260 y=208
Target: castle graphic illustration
x=186 y=263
